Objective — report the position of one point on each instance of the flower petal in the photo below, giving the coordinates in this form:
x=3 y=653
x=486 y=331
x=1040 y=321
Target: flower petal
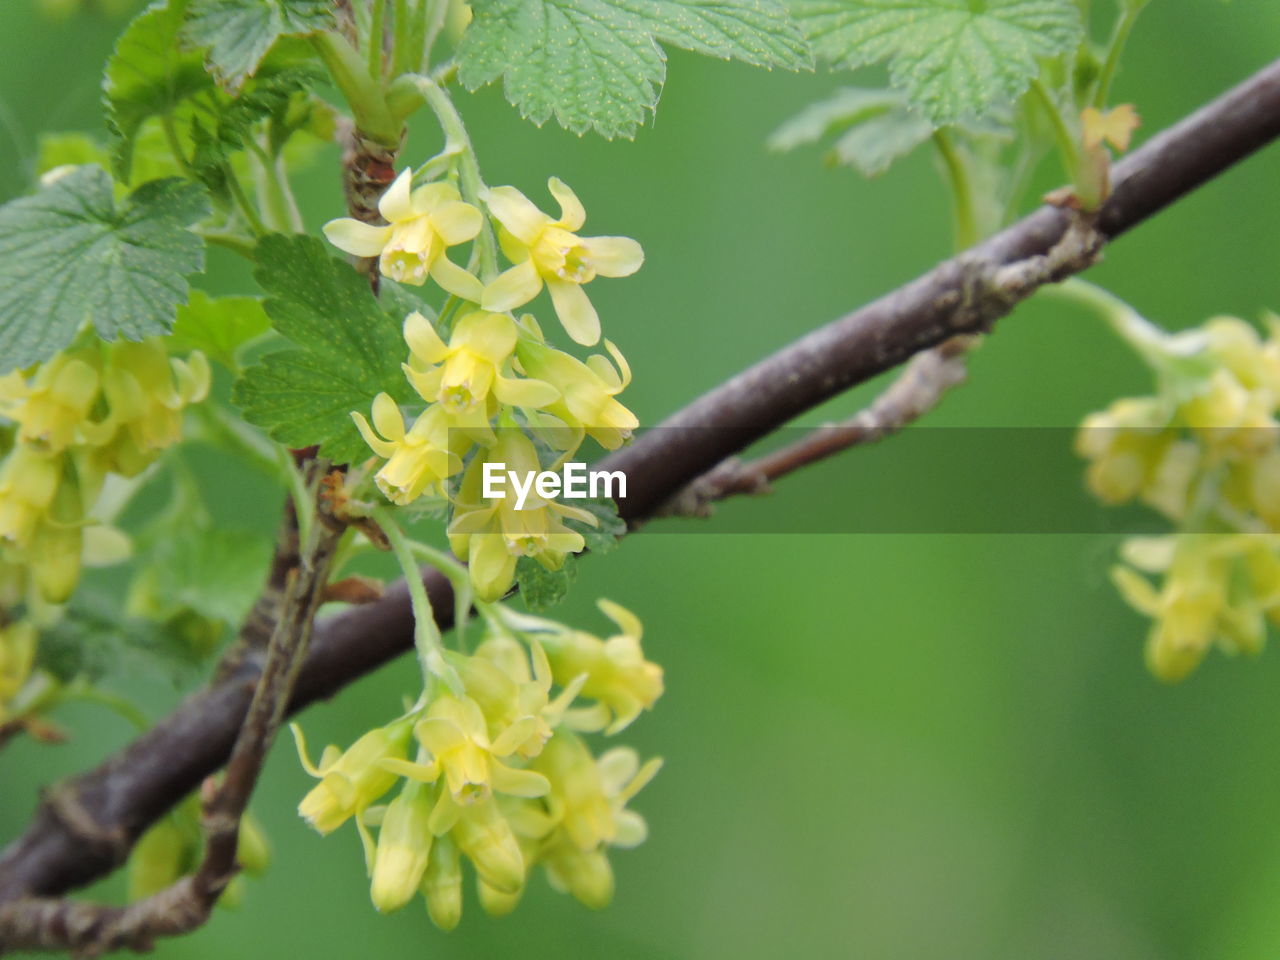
x=387 y=417
x=513 y=288
x=379 y=446
x=575 y=311
x=572 y=213
x=517 y=213
x=491 y=336
x=431 y=196
x=397 y=202
x=453 y=279
x=456 y=222
x=424 y=343
x=356 y=238
x=520 y=392
x=614 y=256
x=518 y=783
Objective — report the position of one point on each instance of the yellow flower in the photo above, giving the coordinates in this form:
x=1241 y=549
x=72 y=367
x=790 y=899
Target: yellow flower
x=17 y=653
x=546 y=250
x=1217 y=588
x=404 y=848
x=54 y=410
x=146 y=392
x=587 y=803
x=421 y=224
x=417 y=460
x=493 y=534
x=500 y=680
x=485 y=836
x=1125 y=444
x=351 y=780
x=442 y=885
x=587 y=390
x=617 y=674
x=29 y=481
x=461 y=376
x=456 y=738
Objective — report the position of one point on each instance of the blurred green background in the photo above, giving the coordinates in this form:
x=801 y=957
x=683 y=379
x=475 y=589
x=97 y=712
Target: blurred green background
x=877 y=746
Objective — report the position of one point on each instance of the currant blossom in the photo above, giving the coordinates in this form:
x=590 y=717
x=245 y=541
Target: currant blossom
x=587 y=391
x=417 y=459
x=421 y=224
x=492 y=534
x=549 y=251
x=353 y=779
x=463 y=375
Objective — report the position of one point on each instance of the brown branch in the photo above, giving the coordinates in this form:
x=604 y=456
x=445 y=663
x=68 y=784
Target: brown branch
x=963 y=295
x=89 y=929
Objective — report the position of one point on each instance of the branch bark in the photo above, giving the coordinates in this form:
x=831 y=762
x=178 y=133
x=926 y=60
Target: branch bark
x=102 y=812
x=89 y=929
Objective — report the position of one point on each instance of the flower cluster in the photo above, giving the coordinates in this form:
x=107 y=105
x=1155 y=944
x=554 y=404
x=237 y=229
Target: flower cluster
x=1204 y=451
x=497 y=772
x=86 y=414
x=491 y=383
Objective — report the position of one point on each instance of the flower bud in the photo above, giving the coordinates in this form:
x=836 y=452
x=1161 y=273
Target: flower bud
x=485 y=836
x=442 y=885
x=253 y=853
x=158 y=859
x=404 y=848
x=354 y=779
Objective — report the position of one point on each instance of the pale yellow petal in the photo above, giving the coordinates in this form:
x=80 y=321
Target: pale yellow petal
x=513 y=288
x=430 y=197
x=424 y=343
x=517 y=213
x=453 y=279
x=575 y=311
x=397 y=203
x=614 y=256
x=520 y=392
x=572 y=213
x=356 y=238
x=456 y=222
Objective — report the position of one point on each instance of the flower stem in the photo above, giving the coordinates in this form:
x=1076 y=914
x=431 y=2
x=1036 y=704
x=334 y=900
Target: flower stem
x=365 y=98
x=1062 y=135
x=472 y=185
x=373 y=48
x=426 y=635
x=1119 y=37
x=964 y=216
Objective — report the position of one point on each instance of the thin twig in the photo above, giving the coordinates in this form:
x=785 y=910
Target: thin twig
x=131 y=789
x=89 y=929
x=924 y=381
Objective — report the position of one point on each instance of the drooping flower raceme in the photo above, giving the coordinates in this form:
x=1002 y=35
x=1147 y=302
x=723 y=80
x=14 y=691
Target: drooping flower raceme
x=499 y=778
x=93 y=410
x=546 y=250
x=421 y=224
x=1204 y=451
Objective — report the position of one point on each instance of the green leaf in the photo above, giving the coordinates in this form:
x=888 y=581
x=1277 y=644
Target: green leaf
x=349 y=349
x=69 y=255
x=597 y=65
x=541 y=588
x=238 y=33
x=875 y=127
x=953 y=58
x=219 y=327
x=94 y=640
x=150 y=73
x=610 y=528
x=154 y=82
x=215 y=572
